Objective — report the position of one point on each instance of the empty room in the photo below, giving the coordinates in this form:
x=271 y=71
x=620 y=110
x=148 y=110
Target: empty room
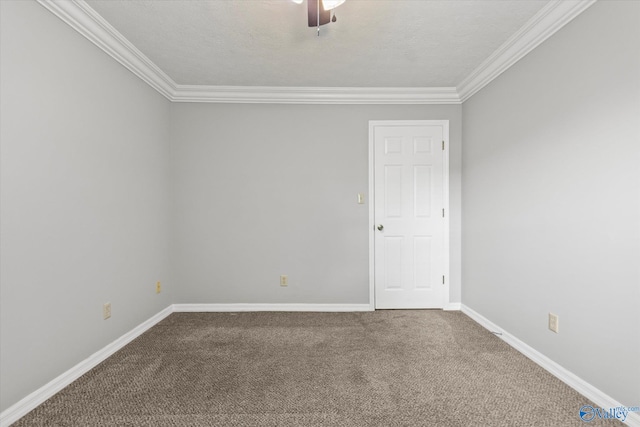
x=319 y=212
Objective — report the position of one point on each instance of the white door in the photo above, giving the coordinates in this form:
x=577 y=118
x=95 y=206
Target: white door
x=408 y=174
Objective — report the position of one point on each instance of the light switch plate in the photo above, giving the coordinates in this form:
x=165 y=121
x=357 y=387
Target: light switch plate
x=554 y=322
x=106 y=310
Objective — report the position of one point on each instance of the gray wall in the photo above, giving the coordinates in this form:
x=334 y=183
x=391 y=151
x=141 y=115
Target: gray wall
x=551 y=194
x=84 y=199
x=264 y=190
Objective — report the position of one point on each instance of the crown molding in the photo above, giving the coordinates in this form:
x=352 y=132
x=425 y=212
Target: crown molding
x=315 y=95
x=553 y=16
x=82 y=18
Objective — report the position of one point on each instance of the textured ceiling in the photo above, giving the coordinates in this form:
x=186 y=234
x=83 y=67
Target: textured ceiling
x=374 y=43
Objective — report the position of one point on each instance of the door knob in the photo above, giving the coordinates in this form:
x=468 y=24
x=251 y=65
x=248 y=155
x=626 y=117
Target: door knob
x=380 y=227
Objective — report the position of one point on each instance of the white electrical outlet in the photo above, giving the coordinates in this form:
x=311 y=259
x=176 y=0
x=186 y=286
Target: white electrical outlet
x=106 y=310
x=284 y=280
x=554 y=322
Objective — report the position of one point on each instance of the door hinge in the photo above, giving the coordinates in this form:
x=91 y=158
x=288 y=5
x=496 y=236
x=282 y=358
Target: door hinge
x=442 y=212
x=443 y=280
x=442 y=145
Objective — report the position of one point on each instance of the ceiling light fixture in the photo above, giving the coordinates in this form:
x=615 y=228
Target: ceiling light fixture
x=331 y=4
x=320 y=12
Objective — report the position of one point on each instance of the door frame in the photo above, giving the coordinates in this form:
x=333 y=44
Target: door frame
x=445 y=201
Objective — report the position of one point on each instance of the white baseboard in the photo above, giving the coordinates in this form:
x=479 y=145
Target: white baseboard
x=30 y=402
x=578 y=384
x=270 y=307
x=24 y=406
x=453 y=306
x=27 y=404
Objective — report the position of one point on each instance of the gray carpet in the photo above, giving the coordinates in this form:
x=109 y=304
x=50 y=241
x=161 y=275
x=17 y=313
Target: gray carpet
x=383 y=368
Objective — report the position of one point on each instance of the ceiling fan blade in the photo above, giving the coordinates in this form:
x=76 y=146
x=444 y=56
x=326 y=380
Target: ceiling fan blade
x=312 y=7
